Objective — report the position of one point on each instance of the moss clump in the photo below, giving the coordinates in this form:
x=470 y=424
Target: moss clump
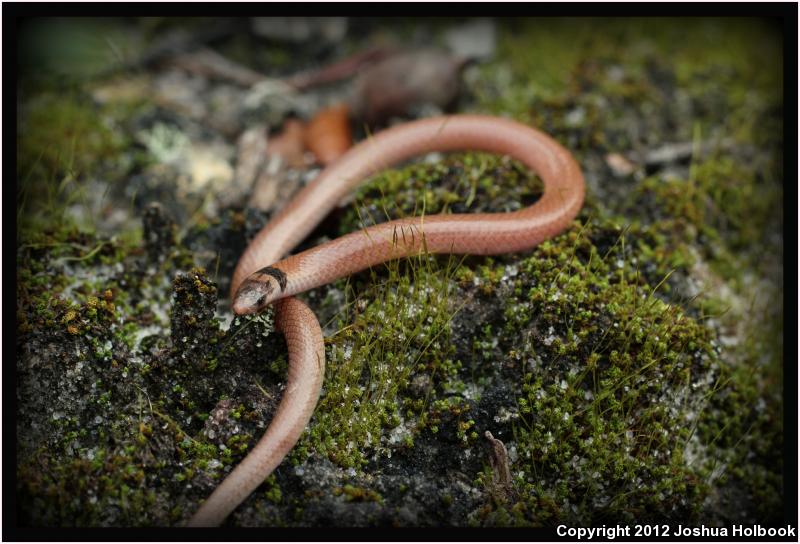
x=193 y=324
x=273 y=493
x=357 y=494
x=369 y=367
x=86 y=489
x=464 y=183
x=61 y=135
x=613 y=381
x=61 y=138
x=712 y=204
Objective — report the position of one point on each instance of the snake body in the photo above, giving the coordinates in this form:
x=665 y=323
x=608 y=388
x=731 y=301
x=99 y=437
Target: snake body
x=265 y=276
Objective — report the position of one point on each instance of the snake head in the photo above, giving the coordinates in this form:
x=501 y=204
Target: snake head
x=258 y=290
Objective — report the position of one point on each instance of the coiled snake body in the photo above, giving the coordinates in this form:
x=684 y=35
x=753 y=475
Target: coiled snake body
x=264 y=275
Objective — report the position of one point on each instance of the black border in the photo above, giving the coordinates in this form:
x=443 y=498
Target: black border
x=790 y=308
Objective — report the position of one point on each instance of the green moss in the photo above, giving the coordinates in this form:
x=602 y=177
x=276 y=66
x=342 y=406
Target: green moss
x=713 y=203
x=61 y=134
x=608 y=410
x=84 y=489
x=534 y=69
x=273 y=493
x=239 y=443
x=357 y=494
x=464 y=183
x=369 y=366
x=60 y=138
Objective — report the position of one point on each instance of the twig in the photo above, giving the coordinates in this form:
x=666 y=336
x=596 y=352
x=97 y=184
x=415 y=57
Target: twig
x=501 y=473
x=339 y=70
x=209 y=63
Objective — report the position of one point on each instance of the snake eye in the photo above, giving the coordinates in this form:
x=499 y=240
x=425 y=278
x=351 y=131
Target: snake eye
x=262 y=300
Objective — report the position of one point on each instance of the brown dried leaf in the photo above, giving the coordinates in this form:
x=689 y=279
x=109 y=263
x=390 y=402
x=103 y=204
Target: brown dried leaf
x=328 y=135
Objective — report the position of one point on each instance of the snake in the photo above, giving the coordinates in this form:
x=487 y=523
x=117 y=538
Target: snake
x=267 y=275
